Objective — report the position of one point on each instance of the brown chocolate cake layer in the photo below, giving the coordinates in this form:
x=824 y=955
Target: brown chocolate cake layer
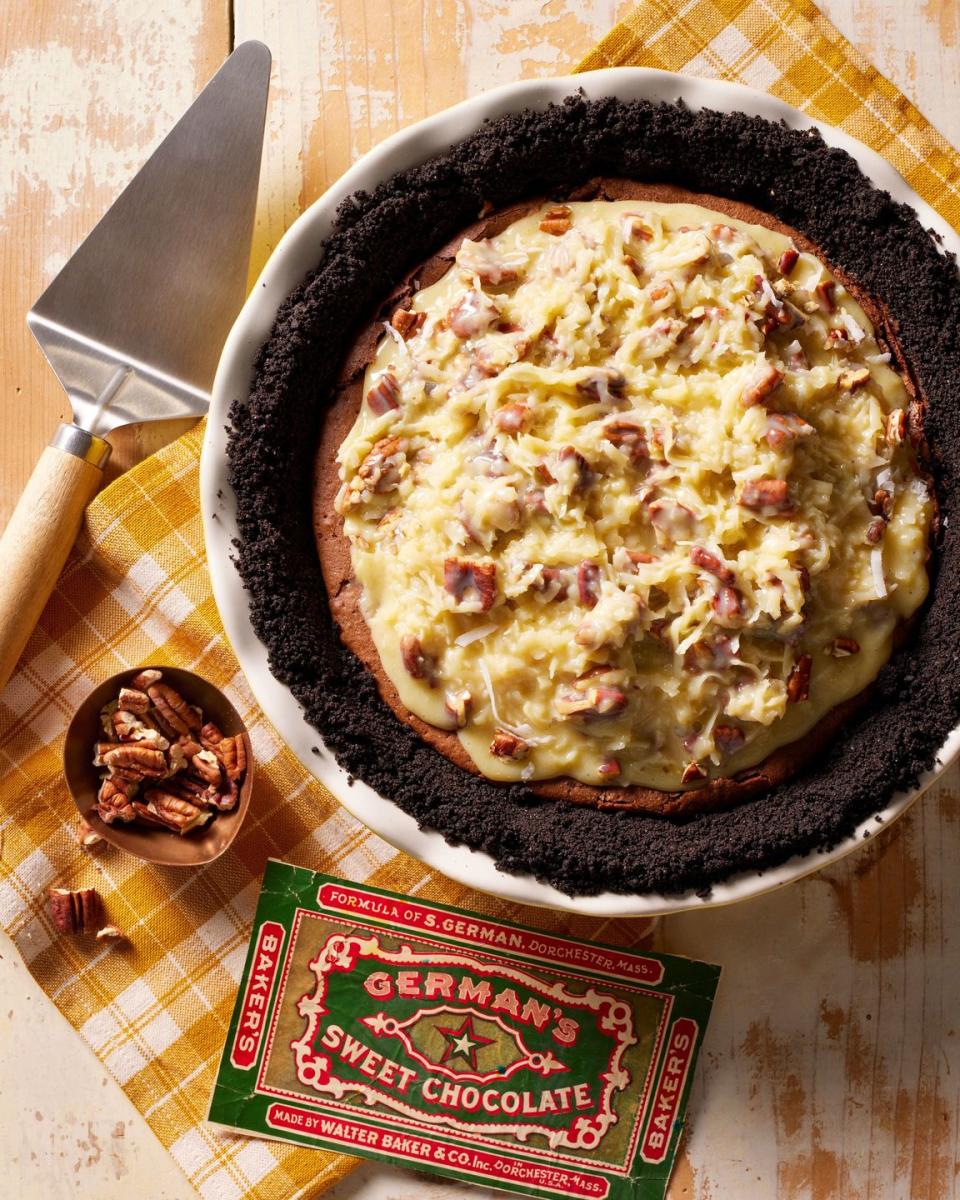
x=861 y=232
x=344 y=590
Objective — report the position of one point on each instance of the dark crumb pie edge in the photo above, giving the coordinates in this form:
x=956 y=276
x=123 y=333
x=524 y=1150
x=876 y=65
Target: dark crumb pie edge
x=876 y=246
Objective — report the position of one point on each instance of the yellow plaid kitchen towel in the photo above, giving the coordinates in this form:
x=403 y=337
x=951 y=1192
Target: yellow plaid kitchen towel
x=155 y=1008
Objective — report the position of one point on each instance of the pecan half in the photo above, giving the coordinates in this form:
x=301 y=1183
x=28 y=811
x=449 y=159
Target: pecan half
x=137 y=759
x=232 y=752
x=174 y=811
x=508 y=745
x=767 y=496
x=114 y=801
x=132 y=700
x=764 y=380
x=206 y=764
x=147 y=676
x=407 y=323
x=174 y=710
x=557 y=220
x=418 y=664
x=384 y=395
x=798 y=682
x=472 y=584
x=78 y=911
x=126 y=725
x=711 y=564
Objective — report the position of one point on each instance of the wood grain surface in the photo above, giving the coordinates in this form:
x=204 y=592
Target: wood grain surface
x=832 y=1066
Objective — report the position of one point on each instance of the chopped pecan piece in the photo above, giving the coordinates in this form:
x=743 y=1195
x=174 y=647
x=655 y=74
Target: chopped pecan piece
x=837 y=339
x=557 y=580
x=147 y=676
x=635 y=228
x=384 y=395
x=824 y=293
x=788 y=260
x=472 y=584
x=557 y=220
x=605 y=386
x=132 y=700
x=875 y=530
x=711 y=564
x=882 y=504
x=849 y=381
x=511 y=418
x=78 y=911
x=671 y=520
x=137 y=759
x=786 y=427
x=572 y=470
x=609 y=768
x=629 y=437
x=592 y=704
x=87 y=836
x=382 y=469
x=843 y=647
x=174 y=709
x=693 y=773
x=798 y=682
x=762 y=382
x=796 y=357
x=508 y=745
x=767 y=496
x=489 y=265
x=728 y=738
x=459 y=705
x=727 y=603
x=110 y=933
x=588 y=583
x=896 y=427
x=407 y=323
x=473 y=313
x=708 y=655
x=418 y=664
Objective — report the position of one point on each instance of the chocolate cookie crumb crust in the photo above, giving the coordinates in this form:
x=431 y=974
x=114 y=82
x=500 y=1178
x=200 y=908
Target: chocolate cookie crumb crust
x=794 y=176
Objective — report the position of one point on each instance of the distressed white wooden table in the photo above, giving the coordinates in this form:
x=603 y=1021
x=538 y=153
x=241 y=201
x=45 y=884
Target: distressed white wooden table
x=831 y=1068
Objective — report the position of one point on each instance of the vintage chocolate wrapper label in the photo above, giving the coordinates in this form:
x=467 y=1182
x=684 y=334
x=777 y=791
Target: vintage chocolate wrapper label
x=469 y=1047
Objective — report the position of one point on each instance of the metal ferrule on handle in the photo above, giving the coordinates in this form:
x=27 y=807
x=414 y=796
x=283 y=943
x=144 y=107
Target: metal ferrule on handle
x=71 y=439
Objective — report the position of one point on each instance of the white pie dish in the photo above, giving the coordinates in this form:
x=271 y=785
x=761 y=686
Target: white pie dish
x=296 y=254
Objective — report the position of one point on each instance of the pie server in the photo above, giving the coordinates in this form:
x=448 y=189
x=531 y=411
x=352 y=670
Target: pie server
x=134 y=324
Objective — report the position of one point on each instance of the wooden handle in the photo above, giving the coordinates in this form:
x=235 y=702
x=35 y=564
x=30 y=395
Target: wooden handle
x=43 y=528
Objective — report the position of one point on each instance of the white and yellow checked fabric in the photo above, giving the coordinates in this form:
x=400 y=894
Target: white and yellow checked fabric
x=155 y=1008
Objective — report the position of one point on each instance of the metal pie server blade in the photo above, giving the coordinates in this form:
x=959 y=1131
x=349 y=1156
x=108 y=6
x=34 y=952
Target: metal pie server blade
x=134 y=324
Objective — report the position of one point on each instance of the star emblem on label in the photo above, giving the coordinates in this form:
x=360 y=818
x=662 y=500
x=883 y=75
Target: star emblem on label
x=463 y=1043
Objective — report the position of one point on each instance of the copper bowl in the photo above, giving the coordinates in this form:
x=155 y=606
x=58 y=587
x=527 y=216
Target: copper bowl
x=153 y=845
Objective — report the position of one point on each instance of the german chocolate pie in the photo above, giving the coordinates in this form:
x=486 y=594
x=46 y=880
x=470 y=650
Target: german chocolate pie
x=627 y=496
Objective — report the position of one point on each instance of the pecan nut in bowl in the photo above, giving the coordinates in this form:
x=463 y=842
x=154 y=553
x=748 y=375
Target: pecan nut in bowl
x=167 y=777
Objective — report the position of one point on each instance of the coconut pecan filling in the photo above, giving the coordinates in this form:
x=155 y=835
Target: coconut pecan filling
x=631 y=497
